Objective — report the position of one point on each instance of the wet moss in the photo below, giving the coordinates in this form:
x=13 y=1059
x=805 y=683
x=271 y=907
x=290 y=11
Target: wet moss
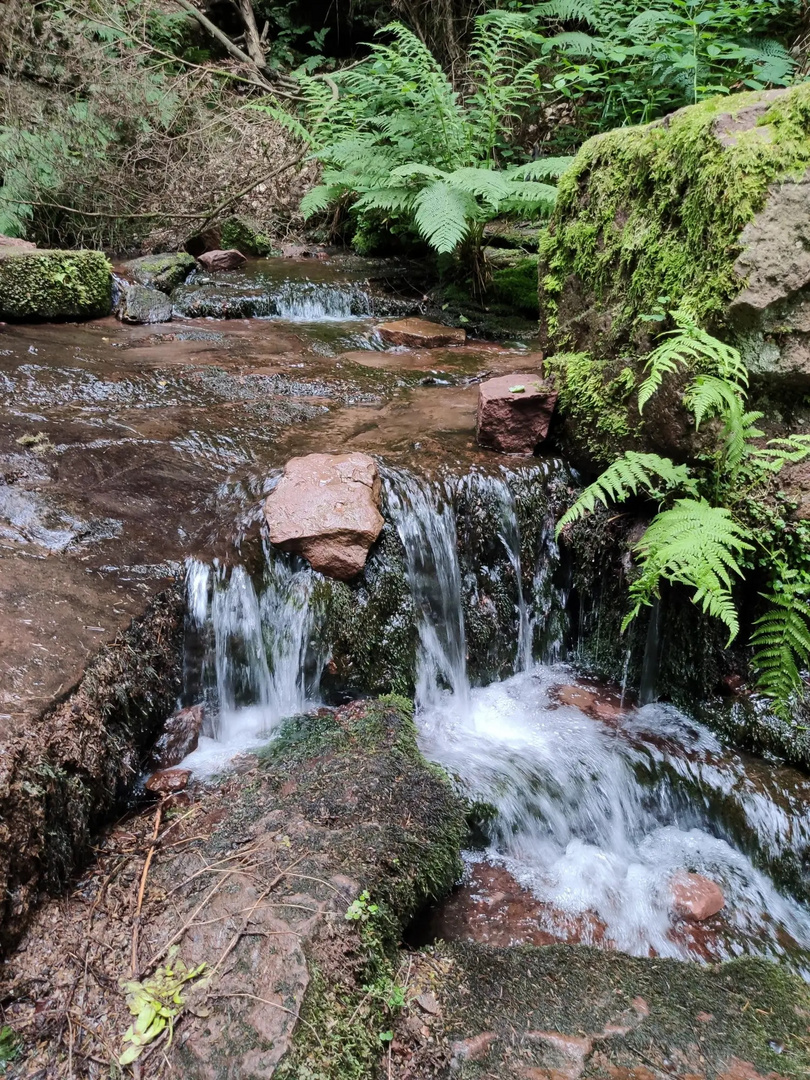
x=396 y=826
x=54 y=285
x=516 y=286
x=691 y=1018
x=164 y=272
x=247 y=236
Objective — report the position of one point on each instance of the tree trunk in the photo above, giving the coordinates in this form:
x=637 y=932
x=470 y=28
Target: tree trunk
x=253 y=40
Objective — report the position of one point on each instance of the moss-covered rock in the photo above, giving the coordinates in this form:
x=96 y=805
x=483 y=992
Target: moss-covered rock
x=516 y=285
x=571 y=1011
x=54 y=285
x=247 y=236
x=695 y=211
x=164 y=272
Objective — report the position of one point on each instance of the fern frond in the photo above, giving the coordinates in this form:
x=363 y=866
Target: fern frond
x=574 y=43
x=584 y=11
x=697 y=545
x=443 y=214
x=690 y=346
x=490 y=185
x=320 y=198
x=416 y=168
x=543 y=168
x=780 y=452
x=782 y=642
x=625 y=477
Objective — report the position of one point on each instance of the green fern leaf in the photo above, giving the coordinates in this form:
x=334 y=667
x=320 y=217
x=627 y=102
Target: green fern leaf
x=543 y=168
x=625 y=477
x=443 y=215
x=782 y=642
x=696 y=545
x=490 y=185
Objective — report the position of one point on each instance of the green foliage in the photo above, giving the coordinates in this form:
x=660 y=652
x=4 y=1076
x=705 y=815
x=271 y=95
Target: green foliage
x=691 y=347
x=781 y=639
x=627 y=61
x=361 y=909
x=155 y=1004
x=627 y=475
x=10 y=1047
x=706 y=541
x=400 y=144
x=596 y=403
x=697 y=545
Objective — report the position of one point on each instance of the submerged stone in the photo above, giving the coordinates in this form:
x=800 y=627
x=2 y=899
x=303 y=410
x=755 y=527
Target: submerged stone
x=53 y=285
x=421 y=334
x=240 y=301
x=141 y=304
x=326 y=508
x=164 y=272
x=514 y=412
x=696 y=897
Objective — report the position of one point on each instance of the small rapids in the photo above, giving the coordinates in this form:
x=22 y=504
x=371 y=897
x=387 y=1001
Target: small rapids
x=595 y=805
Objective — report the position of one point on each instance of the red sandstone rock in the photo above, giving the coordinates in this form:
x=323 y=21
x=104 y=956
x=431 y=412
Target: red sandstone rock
x=475 y=1048
x=221 y=260
x=181 y=734
x=326 y=508
x=695 y=897
x=17 y=244
x=514 y=413
x=168 y=781
x=421 y=334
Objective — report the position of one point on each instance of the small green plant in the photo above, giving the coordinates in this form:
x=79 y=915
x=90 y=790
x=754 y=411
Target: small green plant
x=155 y=1003
x=10 y=1047
x=361 y=909
x=707 y=534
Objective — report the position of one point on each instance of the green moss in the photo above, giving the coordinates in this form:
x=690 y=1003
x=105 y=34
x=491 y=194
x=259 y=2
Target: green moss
x=54 y=285
x=658 y=210
x=396 y=826
x=164 y=272
x=595 y=400
x=516 y=286
x=246 y=236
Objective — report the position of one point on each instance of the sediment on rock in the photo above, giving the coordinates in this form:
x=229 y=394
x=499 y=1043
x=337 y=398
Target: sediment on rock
x=60 y=783
x=291 y=881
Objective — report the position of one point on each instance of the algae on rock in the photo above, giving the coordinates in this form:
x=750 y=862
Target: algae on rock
x=684 y=213
x=54 y=285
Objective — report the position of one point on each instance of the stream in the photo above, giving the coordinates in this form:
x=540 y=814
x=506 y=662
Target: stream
x=130 y=452
x=596 y=802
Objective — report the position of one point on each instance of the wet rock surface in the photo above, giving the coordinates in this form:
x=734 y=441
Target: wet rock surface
x=327 y=508
x=164 y=272
x=255 y=879
x=142 y=304
x=514 y=412
x=421 y=334
x=179 y=737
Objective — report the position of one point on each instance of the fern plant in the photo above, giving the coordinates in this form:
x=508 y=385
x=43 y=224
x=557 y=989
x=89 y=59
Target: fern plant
x=705 y=540
x=402 y=146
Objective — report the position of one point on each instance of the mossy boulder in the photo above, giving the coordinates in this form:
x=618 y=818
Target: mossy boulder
x=707 y=210
x=54 y=285
x=164 y=272
x=247 y=236
x=515 y=284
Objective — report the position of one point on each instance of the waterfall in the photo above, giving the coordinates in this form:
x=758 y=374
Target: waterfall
x=425 y=521
x=308 y=301
x=259 y=656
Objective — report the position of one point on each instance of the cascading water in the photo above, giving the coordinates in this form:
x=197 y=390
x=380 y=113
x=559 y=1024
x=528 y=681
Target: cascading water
x=260 y=659
x=598 y=805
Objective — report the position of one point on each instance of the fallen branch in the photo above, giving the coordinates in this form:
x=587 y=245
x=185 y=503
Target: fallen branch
x=136 y=922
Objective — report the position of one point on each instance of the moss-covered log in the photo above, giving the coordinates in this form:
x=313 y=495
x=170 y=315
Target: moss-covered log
x=60 y=783
x=54 y=285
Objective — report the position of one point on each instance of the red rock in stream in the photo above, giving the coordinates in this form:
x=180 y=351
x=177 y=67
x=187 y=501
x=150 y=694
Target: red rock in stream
x=181 y=733
x=168 y=781
x=221 y=260
x=695 y=897
x=326 y=508
x=514 y=413
x=421 y=334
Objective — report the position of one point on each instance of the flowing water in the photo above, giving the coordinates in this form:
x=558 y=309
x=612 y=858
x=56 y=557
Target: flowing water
x=598 y=804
